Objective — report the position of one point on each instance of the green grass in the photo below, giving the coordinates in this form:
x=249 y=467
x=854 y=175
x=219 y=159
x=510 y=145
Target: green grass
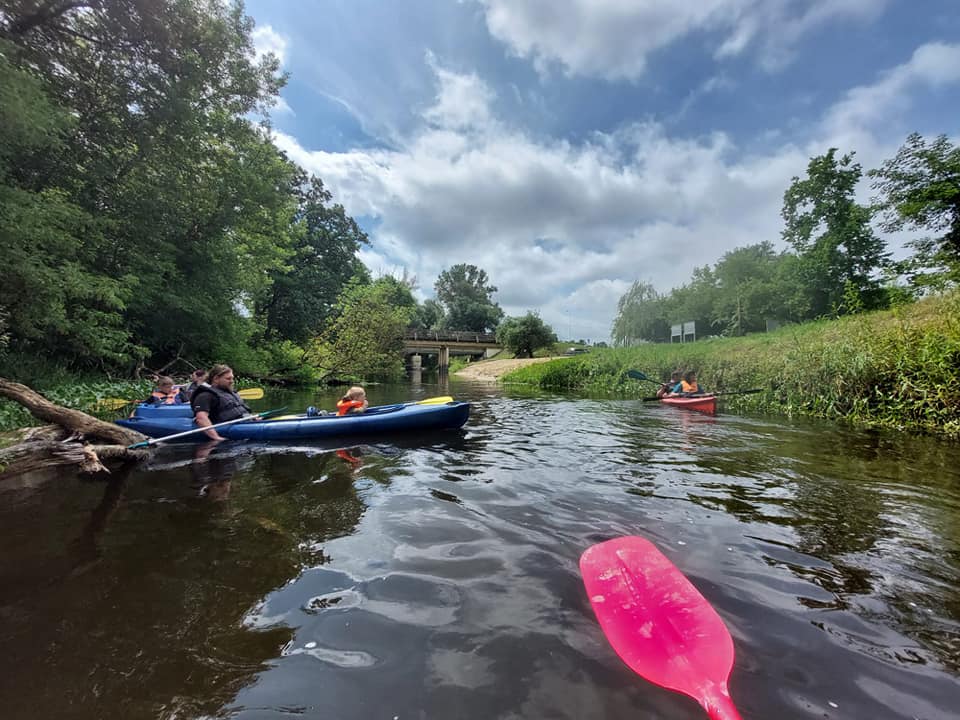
x=898 y=368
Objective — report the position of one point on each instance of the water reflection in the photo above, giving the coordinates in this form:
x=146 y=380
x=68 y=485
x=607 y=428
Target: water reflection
x=156 y=584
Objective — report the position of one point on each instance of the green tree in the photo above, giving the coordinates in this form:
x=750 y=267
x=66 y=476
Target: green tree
x=467 y=299
x=920 y=190
x=172 y=212
x=524 y=335
x=640 y=316
x=750 y=290
x=302 y=295
x=831 y=234
x=51 y=295
x=428 y=316
x=696 y=301
x=365 y=339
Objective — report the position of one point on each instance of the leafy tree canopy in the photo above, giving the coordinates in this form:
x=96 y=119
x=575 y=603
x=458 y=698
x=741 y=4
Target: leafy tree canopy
x=467 y=299
x=428 y=316
x=640 y=315
x=301 y=298
x=524 y=335
x=146 y=214
x=920 y=190
x=365 y=339
x=831 y=234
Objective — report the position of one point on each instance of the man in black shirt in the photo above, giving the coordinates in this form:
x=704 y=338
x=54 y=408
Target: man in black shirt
x=217 y=401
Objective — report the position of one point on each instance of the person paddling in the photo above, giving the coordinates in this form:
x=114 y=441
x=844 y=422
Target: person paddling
x=668 y=388
x=217 y=401
x=354 y=401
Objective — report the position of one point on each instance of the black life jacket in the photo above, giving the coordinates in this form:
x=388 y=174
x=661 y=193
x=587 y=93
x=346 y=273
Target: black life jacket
x=229 y=405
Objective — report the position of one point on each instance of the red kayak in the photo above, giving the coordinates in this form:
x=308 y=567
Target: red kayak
x=700 y=403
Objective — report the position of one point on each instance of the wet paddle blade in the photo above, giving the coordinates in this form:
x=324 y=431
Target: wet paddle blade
x=251 y=393
x=112 y=403
x=659 y=623
x=442 y=400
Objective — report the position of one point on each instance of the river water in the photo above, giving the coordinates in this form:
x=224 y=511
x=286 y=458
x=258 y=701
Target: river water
x=436 y=576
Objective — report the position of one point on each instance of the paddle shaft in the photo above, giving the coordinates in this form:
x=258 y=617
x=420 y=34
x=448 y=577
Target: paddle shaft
x=117 y=403
x=719 y=705
x=156 y=441
x=696 y=395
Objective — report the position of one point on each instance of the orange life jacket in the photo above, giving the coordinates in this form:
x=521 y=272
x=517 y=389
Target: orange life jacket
x=689 y=387
x=345 y=406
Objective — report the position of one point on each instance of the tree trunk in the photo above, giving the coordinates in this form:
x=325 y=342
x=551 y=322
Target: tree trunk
x=29 y=456
x=52 y=446
x=73 y=420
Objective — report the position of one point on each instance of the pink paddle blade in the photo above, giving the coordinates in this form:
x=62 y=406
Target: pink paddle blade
x=659 y=623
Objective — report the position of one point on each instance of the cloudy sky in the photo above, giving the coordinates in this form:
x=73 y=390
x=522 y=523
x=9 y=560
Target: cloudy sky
x=570 y=147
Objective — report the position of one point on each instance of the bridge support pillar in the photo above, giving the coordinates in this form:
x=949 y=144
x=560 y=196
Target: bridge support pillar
x=444 y=359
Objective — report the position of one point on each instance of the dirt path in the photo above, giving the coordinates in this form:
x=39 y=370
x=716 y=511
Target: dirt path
x=491 y=370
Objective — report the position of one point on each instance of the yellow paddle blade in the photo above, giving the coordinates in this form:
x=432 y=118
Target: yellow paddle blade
x=251 y=393
x=112 y=403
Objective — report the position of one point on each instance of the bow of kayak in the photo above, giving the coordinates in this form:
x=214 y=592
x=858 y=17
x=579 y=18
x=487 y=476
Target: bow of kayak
x=700 y=403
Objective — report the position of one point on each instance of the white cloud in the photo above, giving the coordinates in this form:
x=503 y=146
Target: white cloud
x=869 y=107
x=559 y=228
x=462 y=101
x=613 y=38
x=564 y=228
x=267 y=40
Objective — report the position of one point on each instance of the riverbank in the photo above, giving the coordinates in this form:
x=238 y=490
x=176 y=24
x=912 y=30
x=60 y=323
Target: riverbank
x=493 y=370
x=898 y=368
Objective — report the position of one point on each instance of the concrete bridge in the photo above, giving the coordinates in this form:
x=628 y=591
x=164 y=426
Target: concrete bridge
x=445 y=343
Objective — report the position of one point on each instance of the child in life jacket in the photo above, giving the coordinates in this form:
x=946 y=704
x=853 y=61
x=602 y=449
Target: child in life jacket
x=354 y=401
x=165 y=393
x=689 y=384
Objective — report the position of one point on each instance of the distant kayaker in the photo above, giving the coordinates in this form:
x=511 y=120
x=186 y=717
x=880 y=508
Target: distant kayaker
x=165 y=393
x=217 y=401
x=670 y=387
x=689 y=384
x=198 y=378
x=354 y=401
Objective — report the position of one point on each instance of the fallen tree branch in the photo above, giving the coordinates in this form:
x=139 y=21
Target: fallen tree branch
x=63 y=443
x=73 y=420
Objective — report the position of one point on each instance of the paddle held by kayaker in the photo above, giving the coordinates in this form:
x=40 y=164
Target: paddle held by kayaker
x=217 y=401
x=670 y=387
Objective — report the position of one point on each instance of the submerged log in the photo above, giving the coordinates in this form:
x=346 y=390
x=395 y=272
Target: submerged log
x=40 y=455
x=73 y=420
x=65 y=443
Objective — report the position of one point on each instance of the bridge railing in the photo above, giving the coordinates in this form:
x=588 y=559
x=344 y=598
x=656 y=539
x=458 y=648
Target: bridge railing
x=450 y=336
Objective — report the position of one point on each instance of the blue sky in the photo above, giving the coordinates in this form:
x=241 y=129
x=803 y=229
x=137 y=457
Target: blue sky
x=570 y=148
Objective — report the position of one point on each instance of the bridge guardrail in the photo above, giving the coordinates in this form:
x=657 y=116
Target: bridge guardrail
x=450 y=336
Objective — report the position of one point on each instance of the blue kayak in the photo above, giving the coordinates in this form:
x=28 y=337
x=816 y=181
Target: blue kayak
x=159 y=421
